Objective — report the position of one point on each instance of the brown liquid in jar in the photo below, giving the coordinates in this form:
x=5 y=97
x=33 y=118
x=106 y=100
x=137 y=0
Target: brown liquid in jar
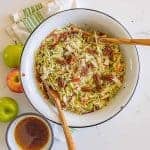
x=32 y=133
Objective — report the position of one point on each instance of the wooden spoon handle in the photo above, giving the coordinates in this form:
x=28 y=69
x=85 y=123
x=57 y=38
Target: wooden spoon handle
x=67 y=132
x=126 y=41
x=52 y=93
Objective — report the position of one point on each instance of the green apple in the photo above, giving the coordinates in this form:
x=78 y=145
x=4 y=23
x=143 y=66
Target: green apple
x=8 y=109
x=12 y=55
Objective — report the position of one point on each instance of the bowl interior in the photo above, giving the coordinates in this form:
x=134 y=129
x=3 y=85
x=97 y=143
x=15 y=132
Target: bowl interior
x=93 y=19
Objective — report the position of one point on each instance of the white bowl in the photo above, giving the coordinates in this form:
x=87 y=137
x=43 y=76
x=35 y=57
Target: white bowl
x=10 y=133
x=82 y=17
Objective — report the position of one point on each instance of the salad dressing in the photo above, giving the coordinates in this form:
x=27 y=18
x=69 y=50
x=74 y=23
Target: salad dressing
x=32 y=133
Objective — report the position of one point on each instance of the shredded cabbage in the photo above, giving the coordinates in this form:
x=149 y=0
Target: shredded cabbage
x=86 y=72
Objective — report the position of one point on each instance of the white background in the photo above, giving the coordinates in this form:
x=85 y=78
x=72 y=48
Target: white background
x=130 y=130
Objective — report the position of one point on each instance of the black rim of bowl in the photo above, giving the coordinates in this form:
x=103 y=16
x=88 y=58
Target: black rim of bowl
x=30 y=114
x=122 y=107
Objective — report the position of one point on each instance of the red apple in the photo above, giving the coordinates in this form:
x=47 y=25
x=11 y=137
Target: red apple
x=13 y=81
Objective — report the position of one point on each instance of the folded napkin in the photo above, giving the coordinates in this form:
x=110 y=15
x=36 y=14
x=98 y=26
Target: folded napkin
x=27 y=19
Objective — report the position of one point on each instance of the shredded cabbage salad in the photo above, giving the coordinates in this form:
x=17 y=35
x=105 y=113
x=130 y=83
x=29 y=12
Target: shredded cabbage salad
x=85 y=72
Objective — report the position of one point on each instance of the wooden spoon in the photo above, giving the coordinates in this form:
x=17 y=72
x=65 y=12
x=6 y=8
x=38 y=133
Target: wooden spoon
x=126 y=41
x=54 y=94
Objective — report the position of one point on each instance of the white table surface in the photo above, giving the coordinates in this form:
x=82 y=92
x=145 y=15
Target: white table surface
x=130 y=130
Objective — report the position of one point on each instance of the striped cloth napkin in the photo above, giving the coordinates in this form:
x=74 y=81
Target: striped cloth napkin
x=27 y=19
